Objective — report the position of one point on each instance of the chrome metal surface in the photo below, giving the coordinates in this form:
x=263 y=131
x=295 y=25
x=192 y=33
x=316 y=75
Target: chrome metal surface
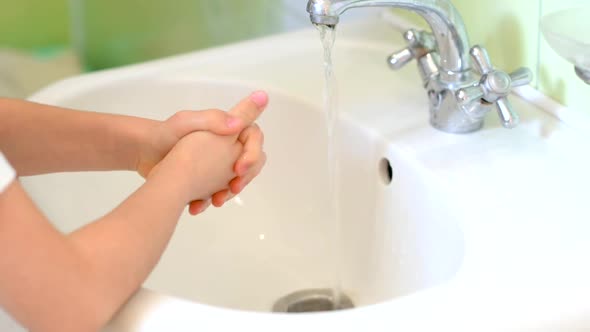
x=493 y=88
x=420 y=43
x=312 y=300
x=583 y=74
x=442 y=17
x=461 y=83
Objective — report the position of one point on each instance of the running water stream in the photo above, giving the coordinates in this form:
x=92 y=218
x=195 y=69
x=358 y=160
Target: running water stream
x=328 y=36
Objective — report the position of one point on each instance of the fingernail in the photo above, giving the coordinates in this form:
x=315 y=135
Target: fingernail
x=260 y=98
x=233 y=122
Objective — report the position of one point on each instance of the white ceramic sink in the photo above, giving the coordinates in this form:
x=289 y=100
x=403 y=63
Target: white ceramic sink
x=482 y=231
x=276 y=238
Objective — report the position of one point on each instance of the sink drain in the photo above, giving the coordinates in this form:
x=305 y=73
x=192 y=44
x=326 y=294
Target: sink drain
x=311 y=300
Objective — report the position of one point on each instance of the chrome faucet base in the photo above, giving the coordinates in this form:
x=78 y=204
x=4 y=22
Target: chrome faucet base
x=461 y=83
x=453 y=127
x=583 y=74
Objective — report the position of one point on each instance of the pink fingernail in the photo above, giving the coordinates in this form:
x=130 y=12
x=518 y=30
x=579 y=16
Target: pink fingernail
x=233 y=122
x=260 y=98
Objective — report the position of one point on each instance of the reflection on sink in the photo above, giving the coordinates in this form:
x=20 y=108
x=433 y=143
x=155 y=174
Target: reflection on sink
x=274 y=239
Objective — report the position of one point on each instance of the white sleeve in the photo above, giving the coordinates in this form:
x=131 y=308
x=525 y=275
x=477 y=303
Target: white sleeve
x=7 y=173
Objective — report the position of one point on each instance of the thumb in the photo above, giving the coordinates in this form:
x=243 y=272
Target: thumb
x=250 y=108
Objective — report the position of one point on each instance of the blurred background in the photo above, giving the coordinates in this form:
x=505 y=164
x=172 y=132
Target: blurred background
x=42 y=41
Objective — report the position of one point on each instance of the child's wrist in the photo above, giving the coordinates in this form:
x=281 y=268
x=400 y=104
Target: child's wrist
x=167 y=175
x=170 y=187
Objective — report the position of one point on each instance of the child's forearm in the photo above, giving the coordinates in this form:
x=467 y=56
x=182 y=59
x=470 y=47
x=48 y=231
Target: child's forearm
x=39 y=138
x=123 y=247
x=76 y=283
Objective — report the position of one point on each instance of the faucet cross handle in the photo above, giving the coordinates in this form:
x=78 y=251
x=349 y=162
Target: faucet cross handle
x=419 y=43
x=494 y=87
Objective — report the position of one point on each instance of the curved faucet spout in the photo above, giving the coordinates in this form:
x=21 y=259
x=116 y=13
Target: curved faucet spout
x=446 y=24
x=460 y=95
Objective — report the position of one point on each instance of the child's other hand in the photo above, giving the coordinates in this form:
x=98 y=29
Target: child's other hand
x=199 y=165
x=162 y=138
x=253 y=157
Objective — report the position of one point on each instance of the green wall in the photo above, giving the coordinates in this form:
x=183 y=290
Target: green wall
x=511 y=32
x=139 y=30
x=33 y=24
x=508 y=29
x=115 y=33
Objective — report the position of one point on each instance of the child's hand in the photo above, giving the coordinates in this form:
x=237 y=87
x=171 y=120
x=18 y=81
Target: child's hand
x=253 y=158
x=162 y=137
x=199 y=165
x=202 y=163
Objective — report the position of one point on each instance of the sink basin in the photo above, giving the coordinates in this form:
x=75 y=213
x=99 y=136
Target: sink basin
x=487 y=228
x=277 y=238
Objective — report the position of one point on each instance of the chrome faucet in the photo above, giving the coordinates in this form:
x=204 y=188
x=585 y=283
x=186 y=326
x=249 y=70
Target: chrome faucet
x=460 y=94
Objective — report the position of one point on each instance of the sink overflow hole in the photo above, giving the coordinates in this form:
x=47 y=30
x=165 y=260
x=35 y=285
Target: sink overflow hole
x=386 y=171
x=311 y=300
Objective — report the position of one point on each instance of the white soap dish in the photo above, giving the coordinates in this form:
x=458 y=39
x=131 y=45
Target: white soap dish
x=568 y=33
